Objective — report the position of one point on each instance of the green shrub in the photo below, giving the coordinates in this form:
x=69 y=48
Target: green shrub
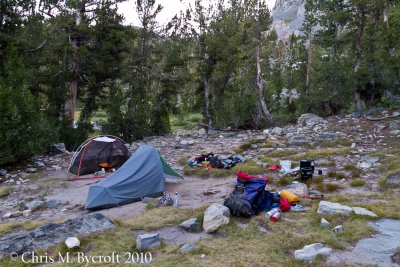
x=4 y=191
x=357 y=182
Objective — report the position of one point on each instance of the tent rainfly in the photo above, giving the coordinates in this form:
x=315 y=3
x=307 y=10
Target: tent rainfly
x=99 y=152
x=143 y=175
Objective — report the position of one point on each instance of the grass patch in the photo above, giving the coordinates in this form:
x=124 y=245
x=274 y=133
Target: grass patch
x=357 y=182
x=281 y=153
x=249 y=167
x=4 y=191
x=8 y=227
x=272 y=144
x=318 y=153
x=349 y=167
x=35 y=176
x=337 y=175
x=284 y=181
x=161 y=217
x=328 y=187
x=268 y=160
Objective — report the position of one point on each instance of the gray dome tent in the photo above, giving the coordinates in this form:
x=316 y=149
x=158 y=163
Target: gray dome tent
x=141 y=176
x=98 y=152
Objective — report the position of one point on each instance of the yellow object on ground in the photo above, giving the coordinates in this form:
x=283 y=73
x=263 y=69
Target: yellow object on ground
x=292 y=198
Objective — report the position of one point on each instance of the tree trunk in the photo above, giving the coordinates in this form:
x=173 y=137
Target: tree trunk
x=70 y=103
x=357 y=65
x=386 y=21
x=309 y=63
x=265 y=112
x=207 y=102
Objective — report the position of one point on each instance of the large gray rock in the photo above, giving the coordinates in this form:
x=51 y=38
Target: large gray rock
x=375 y=250
x=326 y=207
x=215 y=216
x=53 y=233
x=192 y=225
x=309 y=252
x=147 y=241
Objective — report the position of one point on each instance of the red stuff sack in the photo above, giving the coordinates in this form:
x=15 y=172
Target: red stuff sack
x=284 y=205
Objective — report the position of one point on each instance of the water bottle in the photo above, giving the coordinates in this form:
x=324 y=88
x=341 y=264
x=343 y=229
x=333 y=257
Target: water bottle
x=176 y=200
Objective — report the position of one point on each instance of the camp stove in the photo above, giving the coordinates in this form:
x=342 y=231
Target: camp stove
x=306 y=169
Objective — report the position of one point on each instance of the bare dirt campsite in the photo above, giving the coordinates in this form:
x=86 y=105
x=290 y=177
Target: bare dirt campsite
x=358 y=157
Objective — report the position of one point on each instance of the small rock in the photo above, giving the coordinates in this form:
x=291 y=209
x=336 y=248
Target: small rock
x=338 y=229
x=299 y=139
x=64 y=210
x=328 y=136
x=396 y=258
x=324 y=223
x=31 y=170
x=40 y=164
x=394 y=125
x=7 y=215
x=72 y=242
x=309 y=252
x=33 y=205
x=394 y=132
x=58 y=148
x=3 y=172
x=211 y=191
x=53 y=203
x=187 y=248
x=215 y=216
x=192 y=225
x=27 y=213
x=364 y=212
x=16 y=214
x=146 y=241
x=56 y=167
x=202 y=256
x=326 y=207
x=277 y=131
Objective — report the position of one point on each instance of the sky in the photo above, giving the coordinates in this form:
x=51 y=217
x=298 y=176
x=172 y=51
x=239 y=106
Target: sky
x=170 y=9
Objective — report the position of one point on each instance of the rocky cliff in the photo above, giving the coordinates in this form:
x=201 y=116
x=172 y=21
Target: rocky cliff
x=288 y=17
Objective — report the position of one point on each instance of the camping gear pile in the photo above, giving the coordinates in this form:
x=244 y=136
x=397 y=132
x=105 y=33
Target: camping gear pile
x=211 y=161
x=251 y=197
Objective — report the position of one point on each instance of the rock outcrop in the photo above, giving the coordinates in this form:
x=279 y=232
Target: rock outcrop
x=288 y=17
x=53 y=233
